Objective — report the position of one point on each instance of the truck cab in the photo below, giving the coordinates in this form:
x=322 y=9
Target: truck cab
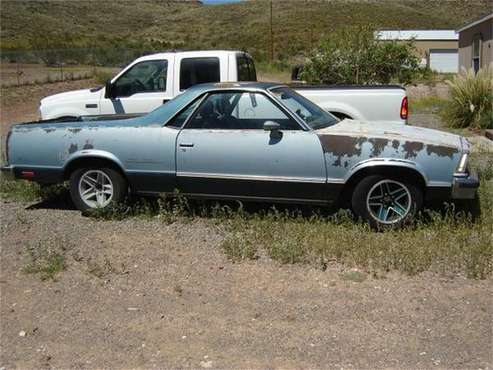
x=149 y=82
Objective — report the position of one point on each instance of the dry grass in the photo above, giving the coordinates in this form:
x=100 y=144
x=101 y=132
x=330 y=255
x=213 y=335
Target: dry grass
x=471 y=103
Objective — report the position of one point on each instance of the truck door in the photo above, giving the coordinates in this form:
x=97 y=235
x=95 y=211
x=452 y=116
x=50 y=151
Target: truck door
x=140 y=89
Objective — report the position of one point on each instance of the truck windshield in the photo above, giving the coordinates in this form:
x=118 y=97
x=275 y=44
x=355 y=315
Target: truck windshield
x=312 y=114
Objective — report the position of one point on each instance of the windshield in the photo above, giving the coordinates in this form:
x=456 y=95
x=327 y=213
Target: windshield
x=312 y=114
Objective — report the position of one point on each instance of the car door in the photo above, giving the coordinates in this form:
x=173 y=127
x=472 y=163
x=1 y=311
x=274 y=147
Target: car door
x=140 y=89
x=224 y=151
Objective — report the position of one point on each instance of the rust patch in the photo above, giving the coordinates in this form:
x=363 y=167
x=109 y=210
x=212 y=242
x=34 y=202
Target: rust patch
x=340 y=146
x=73 y=148
x=88 y=145
x=75 y=130
x=379 y=145
x=441 y=151
x=48 y=130
x=395 y=144
x=412 y=148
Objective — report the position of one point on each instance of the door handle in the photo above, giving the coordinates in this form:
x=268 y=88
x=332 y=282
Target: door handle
x=186 y=145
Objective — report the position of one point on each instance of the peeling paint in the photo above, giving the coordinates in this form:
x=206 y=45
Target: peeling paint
x=341 y=146
x=48 y=130
x=412 y=148
x=379 y=145
x=88 y=145
x=441 y=150
x=73 y=148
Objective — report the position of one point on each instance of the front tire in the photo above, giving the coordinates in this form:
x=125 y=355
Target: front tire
x=386 y=202
x=93 y=187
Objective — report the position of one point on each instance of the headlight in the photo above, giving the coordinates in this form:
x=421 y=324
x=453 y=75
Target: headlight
x=462 y=167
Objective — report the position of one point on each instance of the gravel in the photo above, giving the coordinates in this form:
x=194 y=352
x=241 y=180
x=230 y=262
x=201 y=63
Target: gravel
x=140 y=293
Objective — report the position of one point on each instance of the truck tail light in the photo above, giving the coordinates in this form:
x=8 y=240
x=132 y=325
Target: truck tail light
x=404 y=108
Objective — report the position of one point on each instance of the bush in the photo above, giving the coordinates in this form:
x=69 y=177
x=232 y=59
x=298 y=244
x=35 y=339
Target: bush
x=471 y=103
x=353 y=55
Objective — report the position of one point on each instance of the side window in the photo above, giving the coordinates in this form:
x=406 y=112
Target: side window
x=252 y=70
x=246 y=68
x=195 y=71
x=242 y=68
x=181 y=118
x=476 y=52
x=239 y=111
x=147 y=76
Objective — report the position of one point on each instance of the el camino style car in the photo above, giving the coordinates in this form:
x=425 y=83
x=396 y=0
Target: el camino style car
x=251 y=142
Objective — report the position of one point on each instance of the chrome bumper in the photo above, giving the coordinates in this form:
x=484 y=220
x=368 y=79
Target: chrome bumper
x=464 y=187
x=7 y=172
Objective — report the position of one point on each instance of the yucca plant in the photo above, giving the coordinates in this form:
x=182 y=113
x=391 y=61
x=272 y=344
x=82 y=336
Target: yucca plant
x=471 y=103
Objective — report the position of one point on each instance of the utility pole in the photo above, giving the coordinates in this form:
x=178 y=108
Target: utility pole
x=271 y=56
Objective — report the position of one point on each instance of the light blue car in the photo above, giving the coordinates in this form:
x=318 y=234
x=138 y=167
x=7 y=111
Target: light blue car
x=250 y=142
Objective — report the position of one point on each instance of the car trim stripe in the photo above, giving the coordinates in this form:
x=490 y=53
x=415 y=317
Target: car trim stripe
x=318 y=180
x=439 y=184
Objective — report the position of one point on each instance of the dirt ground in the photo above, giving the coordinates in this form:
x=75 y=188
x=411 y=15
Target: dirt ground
x=21 y=103
x=144 y=294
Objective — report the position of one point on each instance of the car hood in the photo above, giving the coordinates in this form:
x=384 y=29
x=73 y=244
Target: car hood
x=70 y=96
x=394 y=131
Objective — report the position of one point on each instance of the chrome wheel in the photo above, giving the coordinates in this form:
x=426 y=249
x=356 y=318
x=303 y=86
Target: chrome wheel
x=389 y=201
x=95 y=189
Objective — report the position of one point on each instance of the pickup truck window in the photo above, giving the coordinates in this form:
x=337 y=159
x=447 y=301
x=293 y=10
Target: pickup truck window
x=246 y=68
x=149 y=76
x=195 y=71
x=312 y=114
x=239 y=111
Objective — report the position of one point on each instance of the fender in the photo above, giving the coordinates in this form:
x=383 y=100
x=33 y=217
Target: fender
x=386 y=162
x=63 y=112
x=342 y=108
x=90 y=154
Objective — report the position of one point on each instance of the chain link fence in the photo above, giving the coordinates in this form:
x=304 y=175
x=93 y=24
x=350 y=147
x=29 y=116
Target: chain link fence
x=24 y=67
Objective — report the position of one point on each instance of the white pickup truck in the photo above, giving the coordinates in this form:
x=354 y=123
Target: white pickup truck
x=152 y=80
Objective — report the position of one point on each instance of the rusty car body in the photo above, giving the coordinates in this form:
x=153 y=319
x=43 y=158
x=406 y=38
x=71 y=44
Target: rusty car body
x=247 y=141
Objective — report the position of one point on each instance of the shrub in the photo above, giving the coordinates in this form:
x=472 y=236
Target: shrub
x=353 y=55
x=471 y=103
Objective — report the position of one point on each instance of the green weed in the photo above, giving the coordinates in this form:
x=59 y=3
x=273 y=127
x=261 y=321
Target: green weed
x=471 y=103
x=47 y=258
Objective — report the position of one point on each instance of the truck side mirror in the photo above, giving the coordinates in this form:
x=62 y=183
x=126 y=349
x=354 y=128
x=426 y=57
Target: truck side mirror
x=109 y=92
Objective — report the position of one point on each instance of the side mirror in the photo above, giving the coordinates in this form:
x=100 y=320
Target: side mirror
x=108 y=90
x=271 y=126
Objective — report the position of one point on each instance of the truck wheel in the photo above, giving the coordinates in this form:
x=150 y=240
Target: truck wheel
x=386 y=202
x=93 y=187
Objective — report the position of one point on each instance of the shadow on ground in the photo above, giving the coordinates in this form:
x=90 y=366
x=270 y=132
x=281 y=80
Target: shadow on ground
x=209 y=208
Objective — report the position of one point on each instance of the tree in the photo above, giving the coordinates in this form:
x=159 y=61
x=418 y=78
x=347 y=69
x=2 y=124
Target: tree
x=353 y=55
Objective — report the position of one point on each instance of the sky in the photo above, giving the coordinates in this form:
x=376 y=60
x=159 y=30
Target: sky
x=214 y=2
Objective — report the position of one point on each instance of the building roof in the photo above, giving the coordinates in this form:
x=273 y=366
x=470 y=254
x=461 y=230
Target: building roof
x=419 y=35
x=476 y=22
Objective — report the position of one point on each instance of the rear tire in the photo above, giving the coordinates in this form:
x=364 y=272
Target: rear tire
x=95 y=187
x=386 y=202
